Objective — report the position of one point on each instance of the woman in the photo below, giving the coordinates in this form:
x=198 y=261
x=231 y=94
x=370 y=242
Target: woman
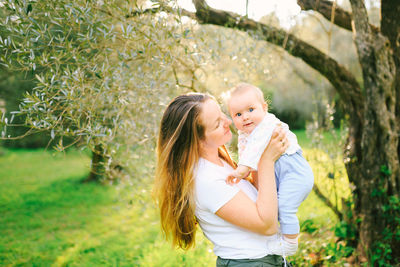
x=192 y=165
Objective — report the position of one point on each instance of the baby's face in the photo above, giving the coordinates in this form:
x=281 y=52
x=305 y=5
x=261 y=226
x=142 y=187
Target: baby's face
x=246 y=110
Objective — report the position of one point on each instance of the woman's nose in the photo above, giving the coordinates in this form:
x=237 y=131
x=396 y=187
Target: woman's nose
x=227 y=121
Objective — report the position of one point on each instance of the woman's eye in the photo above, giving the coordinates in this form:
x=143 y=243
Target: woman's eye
x=251 y=109
x=218 y=124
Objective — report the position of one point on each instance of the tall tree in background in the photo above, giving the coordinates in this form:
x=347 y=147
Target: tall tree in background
x=373 y=107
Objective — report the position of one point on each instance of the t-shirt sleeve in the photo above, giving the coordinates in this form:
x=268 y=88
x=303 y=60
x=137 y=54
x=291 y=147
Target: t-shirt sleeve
x=212 y=194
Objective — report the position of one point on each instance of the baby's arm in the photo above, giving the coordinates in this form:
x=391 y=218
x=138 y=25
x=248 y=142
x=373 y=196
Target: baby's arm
x=238 y=174
x=256 y=144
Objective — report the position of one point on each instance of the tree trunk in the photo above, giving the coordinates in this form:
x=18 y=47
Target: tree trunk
x=379 y=165
x=390 y=26
x=97 y=170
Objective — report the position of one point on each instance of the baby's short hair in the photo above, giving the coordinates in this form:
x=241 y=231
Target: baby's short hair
x=242 y=87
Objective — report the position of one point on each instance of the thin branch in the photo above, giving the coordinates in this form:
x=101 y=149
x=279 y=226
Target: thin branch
x=182 y=85
x=180 y=11
x=327 y=202
x=303 y=77
x=27 y=133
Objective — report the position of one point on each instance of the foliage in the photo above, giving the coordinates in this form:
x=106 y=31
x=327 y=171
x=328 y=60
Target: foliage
x=337 y=190
x=334 y=188
x=381 y=253
x=223 y=63
x=101 y=76
x=325 y=137
x=103 y=71
x=12 y=89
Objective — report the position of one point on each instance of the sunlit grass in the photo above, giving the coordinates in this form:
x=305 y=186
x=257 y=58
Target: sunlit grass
x=50 y=218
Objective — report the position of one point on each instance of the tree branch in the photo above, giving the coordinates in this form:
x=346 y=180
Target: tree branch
x=180 y=11
x=343 y=81
x=341 y=17
x=327 y=201
x=177 y=82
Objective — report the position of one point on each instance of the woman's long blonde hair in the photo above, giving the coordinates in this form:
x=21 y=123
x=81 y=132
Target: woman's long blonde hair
x=178 y=152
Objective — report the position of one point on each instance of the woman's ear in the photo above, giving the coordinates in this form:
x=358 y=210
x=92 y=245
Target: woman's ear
x=201 y=146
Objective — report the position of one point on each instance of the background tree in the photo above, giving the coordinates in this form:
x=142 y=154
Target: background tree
x=99 y=73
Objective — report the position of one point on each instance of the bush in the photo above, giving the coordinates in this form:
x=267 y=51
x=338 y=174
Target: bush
x=293 y=118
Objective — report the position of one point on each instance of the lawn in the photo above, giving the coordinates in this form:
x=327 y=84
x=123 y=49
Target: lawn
x=50 y=218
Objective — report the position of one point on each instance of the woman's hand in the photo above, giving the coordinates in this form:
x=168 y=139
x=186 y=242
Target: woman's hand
x=276 y=147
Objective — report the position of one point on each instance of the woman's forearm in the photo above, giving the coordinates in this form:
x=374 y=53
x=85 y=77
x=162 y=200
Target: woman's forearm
x=267 y=200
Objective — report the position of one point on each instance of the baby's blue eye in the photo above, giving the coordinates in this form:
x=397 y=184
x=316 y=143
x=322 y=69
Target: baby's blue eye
x=251 y=109
x=238 y=114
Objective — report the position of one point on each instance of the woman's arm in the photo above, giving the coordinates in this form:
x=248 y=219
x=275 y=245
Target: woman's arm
x=261 y=216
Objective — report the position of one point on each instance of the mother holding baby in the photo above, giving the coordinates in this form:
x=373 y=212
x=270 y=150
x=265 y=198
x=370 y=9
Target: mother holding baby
x=240 y=219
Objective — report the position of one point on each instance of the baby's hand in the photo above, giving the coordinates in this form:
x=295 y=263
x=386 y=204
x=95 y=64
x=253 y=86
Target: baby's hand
x=233 y=179
x=237 y=175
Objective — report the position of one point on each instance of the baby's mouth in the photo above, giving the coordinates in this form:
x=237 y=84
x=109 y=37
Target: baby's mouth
x=248 y=124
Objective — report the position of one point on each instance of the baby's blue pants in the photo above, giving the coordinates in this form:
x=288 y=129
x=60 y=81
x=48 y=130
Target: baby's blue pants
x=294 y=181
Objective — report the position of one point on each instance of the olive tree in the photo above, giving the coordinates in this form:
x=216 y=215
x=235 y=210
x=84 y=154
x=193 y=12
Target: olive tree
x=101 y=74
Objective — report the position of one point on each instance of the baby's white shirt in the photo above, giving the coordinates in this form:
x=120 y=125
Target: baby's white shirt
x=251 y=146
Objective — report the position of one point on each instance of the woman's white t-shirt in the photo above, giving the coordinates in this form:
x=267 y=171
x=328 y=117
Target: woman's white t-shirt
x=211 y=193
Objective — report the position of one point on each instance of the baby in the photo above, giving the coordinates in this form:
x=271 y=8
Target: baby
x=293 y=174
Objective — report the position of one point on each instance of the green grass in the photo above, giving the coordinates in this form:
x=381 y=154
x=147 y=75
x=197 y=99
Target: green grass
x=305 y=142
x=302 y=138
x=50 y=218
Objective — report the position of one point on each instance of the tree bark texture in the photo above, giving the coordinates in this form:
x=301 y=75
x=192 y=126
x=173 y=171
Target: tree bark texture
x=390 y=25
x=97 y=170
x=372 y=150
x=380 y=138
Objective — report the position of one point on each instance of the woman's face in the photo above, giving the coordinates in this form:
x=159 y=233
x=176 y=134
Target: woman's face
x=216 y=124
